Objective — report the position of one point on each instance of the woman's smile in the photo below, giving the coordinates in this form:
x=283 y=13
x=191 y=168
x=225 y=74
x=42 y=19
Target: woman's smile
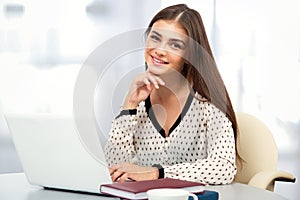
x=157 y=61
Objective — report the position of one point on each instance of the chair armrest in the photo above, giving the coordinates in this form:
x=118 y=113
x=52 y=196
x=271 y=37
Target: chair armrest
x=266 y=179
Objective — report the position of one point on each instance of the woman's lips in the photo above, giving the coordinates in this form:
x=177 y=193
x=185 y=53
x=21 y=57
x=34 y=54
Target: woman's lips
x=157 y=61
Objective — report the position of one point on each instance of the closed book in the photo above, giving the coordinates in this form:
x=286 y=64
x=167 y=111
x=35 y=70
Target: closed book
x=138 y=189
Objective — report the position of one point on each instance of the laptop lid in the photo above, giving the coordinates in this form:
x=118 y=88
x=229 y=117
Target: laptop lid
x=52 y=155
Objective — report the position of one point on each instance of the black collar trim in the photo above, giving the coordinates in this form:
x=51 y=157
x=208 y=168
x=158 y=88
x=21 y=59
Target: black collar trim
x=154 y=121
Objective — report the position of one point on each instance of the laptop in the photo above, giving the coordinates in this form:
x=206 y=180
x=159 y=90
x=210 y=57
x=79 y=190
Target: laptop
x=52 y=155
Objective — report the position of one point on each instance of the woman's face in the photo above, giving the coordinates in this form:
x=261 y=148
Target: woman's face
x=165 y=47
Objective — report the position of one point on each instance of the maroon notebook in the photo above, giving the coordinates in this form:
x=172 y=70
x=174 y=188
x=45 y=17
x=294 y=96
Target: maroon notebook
x=138 y=189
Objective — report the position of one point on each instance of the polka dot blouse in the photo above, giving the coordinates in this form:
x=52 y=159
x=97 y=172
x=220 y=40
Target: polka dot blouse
x=200 y=146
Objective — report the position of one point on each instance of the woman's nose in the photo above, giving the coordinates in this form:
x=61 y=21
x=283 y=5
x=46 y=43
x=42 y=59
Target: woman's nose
x=160 y=51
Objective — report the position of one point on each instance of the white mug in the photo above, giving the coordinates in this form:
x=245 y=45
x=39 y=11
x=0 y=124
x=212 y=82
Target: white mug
x=169 y=194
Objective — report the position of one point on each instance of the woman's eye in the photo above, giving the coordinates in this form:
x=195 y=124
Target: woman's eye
x=176 y=45
x=154 y=37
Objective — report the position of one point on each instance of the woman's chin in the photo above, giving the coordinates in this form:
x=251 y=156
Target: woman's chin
x=158 y=69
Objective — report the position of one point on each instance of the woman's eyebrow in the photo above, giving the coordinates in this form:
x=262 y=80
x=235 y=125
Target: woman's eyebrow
x=177 y=40
x=171 y=39
x=155 y=32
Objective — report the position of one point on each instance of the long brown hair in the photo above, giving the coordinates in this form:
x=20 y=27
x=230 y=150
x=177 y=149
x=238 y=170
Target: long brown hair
x=200 y=68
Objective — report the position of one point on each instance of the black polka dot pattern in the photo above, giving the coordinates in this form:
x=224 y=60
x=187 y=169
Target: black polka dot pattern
x=201 y=147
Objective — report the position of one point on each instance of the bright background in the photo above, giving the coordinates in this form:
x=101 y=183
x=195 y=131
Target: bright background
x=256 y=44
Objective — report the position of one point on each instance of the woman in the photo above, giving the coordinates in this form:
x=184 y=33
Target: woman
x=177 y=120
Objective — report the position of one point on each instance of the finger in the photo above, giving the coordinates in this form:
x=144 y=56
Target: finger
x=116 y=175
x=123 y=178
x=149 y=87
x=160 y=81
x=146 y=81
x=112 y=170
x=157 y=78
x=153 y=81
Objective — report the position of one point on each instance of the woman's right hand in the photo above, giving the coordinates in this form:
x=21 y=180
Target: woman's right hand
x=140 y=89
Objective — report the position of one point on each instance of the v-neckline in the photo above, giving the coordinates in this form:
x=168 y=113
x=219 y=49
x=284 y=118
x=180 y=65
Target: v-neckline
x=155 y=122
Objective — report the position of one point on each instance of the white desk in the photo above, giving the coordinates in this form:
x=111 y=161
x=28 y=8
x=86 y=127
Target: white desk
x=15 y=187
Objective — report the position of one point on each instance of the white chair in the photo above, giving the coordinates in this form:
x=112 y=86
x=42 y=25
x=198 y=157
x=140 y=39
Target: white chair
x=257 y=148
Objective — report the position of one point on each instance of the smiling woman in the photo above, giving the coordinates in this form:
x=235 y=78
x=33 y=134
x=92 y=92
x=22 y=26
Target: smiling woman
x=165 y=46
x=177 y=120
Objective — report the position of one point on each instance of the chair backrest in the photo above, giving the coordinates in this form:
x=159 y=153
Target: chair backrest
x=256 y=146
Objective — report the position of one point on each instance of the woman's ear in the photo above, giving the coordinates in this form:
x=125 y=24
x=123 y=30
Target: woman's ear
x=146 y=66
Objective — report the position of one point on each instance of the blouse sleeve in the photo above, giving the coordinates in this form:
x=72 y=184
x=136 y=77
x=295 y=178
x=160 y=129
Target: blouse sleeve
x=120 y=146
x=219 y=165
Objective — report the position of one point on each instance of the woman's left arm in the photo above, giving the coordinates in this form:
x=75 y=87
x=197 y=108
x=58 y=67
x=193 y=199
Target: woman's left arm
x=219 y=165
